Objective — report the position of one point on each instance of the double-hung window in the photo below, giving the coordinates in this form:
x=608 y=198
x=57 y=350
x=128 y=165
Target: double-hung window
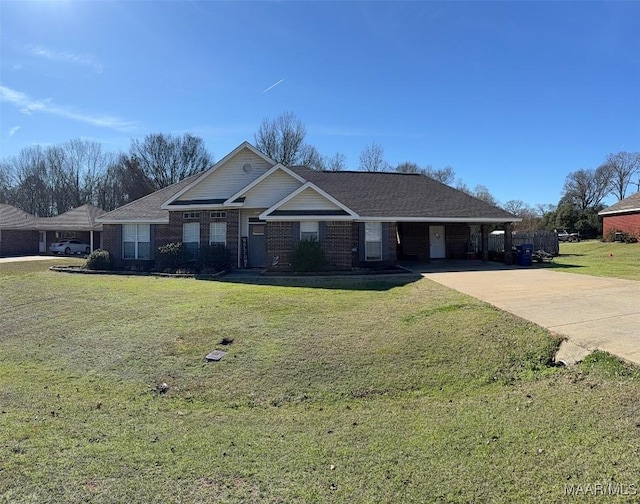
x=309 y=231
x=373 y=241
x=218 y=233
x=136 y=241
x=191 y=237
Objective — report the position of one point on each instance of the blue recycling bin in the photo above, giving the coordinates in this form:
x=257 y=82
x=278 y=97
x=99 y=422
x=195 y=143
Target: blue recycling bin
x=525 y=252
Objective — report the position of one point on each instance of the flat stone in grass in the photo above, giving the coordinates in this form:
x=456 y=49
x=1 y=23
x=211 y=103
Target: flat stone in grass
x=216 y=355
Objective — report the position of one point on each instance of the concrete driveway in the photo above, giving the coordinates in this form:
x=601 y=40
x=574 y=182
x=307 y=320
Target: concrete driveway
x=592 y=312
x=28 y=258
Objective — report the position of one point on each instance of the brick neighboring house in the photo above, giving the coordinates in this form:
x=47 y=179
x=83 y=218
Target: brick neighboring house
x=23 y=234
x=623 y=216
x=260 y=210
x=18 y=235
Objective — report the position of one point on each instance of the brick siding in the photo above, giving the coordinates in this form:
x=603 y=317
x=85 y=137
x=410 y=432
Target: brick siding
x=337 y=245
x=627 y=223
x=280 y=243
x=415 y=240
x=457 y=238
x=18 y=242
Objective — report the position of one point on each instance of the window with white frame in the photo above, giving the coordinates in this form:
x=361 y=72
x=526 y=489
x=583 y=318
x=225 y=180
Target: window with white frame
x=309 y=231
x=218 y=214
x=136 y=241
x=373 y=241
x=191 y=215
x=191 y=237
x=218 y=233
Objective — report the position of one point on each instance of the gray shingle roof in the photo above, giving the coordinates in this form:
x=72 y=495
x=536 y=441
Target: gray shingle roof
x=387 y=194
x=14 y=218
x=629 y=204
x=368 y=194
x=82 y=218
x=148 y=207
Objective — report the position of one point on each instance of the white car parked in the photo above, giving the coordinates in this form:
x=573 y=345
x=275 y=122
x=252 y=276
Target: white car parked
x=70 y=247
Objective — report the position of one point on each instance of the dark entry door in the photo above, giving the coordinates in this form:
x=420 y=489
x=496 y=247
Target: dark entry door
x=257 y=244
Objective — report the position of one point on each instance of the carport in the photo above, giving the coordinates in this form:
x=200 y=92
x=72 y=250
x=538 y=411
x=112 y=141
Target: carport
x=447 y=239
x=79 y=223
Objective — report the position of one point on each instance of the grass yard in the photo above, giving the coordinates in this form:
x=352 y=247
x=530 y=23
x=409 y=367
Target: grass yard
x=617 y=260
x=388 y=389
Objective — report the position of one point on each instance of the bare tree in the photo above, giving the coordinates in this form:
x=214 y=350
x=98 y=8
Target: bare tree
x=310 y=156
x=531 y=219
x=282 y=138
x=337 y=162
x=5 y=182
x=587 y=188
x=32 y=192
x=372 y=158
x=166 y=159
x=445 y=175
x=481 y=192
x=408 y=167
x=623 y=166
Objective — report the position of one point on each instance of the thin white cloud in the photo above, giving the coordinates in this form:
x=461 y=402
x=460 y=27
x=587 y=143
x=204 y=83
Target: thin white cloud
x=13 y=131
x=28 y=106
x=87 y=60
x=273 y=85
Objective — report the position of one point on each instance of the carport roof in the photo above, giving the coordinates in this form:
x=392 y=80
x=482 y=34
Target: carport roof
x=402 y=196
x=82 y=218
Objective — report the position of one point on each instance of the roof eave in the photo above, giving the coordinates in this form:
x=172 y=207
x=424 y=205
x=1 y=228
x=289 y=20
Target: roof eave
x=134 y=221
x=622 y=211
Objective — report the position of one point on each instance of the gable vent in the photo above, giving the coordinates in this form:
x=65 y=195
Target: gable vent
x=247 y=167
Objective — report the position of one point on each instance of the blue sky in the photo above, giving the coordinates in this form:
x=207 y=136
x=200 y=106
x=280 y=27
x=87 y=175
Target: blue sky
x=512 y=95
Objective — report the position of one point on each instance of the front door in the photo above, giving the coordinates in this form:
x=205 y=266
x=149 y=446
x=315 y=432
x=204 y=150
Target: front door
x=257 y=244
x=436 y=242
x=42 y=242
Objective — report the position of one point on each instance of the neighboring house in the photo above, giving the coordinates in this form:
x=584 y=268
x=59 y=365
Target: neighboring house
x=23 y=234
x=623 y=216
x=18 y=233
x=79 y=223
x=260 y=210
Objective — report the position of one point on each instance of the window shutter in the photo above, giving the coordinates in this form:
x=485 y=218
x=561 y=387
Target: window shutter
x=152 y=241
x=361 y=238
x=296 y=233
x=118 y=250
x=385 y=241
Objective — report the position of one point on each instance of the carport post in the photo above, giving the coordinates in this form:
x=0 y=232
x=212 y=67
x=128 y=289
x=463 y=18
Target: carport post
x=484 y=230
x=91 y=239
x=508 y=244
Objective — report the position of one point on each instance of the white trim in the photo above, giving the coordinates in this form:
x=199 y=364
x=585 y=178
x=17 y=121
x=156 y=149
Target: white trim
x=304 y=187
x=268 y=173
x=239 y=148
x=475 y=220
x=300 y=218
x=136 y=221
x=196 y=208
x=613 y=212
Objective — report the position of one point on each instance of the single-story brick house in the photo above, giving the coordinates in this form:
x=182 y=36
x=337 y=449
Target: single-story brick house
x=18 y=235
x=623 y=216
x=260 y=209
x=23 y=234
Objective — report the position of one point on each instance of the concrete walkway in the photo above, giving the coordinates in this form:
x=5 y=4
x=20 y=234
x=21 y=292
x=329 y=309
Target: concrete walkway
x=592 y=312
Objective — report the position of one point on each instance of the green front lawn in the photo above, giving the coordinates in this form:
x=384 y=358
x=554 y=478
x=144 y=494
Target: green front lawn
x=387 y=389
x=617 y=260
